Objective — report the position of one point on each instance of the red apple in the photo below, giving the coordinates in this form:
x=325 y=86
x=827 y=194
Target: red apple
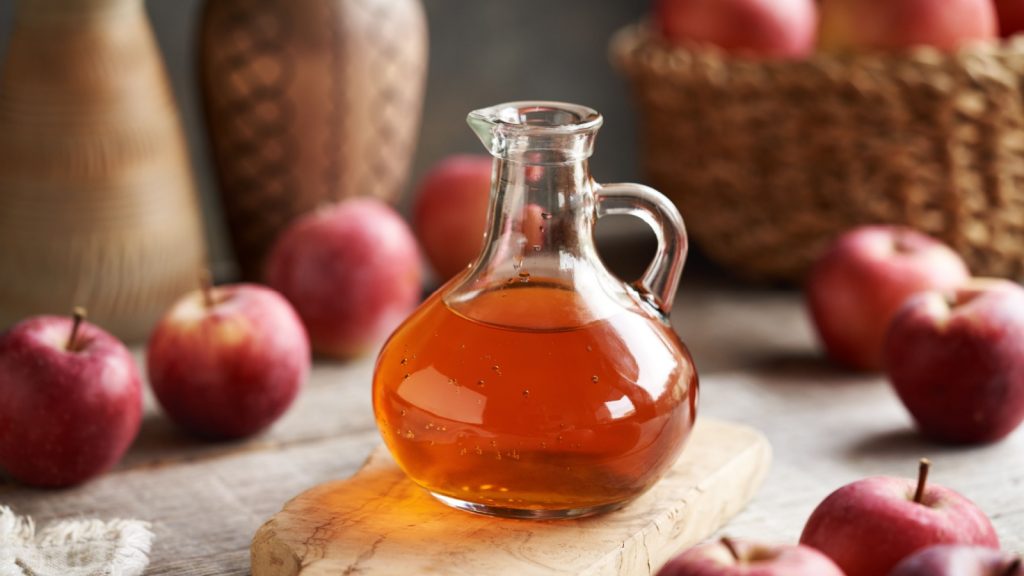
x=858 y=25
x=959 y=560
x=957 y=361
x=762 y=28
x=352 y=271
x=226 y=362
x=1010 y=14
x=70 y=400
x=870 y=525
x=450 y=211
x=862 y=280
x=738 y=558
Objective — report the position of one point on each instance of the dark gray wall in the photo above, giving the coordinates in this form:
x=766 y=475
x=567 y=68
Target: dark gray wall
x=482 y=52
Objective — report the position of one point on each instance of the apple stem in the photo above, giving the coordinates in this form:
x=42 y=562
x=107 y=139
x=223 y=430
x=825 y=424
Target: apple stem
x=77 y=316
x=922 y=479
x=900 y=243
x=1012 y=569
x=731 y=547
x=206 y=283
x=951 y=299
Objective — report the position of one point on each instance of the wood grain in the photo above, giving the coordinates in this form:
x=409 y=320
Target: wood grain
x=829 y=428
x=378 y=521
x=759 y=366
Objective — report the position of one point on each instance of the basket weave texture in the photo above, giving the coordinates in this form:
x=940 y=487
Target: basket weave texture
x=770 y=160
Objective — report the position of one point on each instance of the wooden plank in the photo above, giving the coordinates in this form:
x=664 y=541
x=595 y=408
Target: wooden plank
x=335 y=402
x=829 y=428
x=759 y=365
x=379 y=522
x=826 y=428
x=729 y=328
x=204 y=512
x=206 y=499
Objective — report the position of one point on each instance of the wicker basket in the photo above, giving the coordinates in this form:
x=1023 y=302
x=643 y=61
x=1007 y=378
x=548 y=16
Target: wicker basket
x=770 y=160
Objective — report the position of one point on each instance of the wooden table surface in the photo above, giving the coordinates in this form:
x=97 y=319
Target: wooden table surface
x=759 y=365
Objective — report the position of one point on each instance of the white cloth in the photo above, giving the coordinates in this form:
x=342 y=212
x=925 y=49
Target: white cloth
x=73 y=547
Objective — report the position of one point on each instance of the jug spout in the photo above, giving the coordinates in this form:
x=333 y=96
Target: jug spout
x=537 y=132
x=482 y=123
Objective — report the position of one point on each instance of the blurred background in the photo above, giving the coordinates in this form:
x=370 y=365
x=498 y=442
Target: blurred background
x=770 y=143
x=481 y=53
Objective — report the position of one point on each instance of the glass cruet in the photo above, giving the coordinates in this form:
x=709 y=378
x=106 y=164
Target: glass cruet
x=536 y=384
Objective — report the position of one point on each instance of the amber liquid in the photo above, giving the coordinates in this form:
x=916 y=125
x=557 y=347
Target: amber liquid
x=569 y=414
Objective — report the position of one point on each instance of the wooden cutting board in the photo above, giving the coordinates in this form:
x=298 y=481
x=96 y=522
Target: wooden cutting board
x=378 y=522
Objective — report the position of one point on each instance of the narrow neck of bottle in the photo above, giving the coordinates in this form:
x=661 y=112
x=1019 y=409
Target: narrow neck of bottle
x=541 y=219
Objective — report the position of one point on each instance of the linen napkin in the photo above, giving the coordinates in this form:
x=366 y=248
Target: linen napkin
x=73 y=547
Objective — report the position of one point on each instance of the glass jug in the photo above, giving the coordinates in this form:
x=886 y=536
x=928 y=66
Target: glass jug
x=536 y=384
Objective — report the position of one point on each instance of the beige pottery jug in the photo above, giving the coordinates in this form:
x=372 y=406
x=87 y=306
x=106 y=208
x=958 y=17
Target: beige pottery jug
x=97 y=199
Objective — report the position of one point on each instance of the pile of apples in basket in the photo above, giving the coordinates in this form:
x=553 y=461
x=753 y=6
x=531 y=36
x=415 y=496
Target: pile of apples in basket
x=889 y=299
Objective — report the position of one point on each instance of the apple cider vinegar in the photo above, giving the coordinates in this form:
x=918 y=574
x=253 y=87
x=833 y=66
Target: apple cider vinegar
x=563 y=415
x=536 y=383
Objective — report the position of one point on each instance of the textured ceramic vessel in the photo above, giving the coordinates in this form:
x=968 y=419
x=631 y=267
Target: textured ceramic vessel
x=97 y=199
x=308 y=102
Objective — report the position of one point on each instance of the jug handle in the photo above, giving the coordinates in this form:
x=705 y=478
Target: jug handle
x=659 y=282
